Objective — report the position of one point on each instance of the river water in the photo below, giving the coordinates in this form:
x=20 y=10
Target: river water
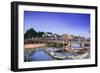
x=40 y=54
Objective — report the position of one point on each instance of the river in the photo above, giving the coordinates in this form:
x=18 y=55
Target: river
x=40 y=54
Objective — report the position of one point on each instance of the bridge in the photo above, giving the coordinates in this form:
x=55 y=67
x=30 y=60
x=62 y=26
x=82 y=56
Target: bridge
x=37 y=43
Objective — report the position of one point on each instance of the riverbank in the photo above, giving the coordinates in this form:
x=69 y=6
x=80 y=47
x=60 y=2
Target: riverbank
x=31 y=46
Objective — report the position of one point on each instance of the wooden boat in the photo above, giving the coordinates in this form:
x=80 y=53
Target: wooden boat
x=56 y=55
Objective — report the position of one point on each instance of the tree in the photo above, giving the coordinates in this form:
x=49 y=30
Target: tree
x=33 y=33
x=30 y=33
x=40 y=34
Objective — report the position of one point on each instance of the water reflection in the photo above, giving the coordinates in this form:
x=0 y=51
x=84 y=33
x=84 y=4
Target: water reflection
x=52 y=53
x=40 y=55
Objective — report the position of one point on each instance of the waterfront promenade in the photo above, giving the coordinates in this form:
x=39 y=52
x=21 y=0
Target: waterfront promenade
x=31 y=46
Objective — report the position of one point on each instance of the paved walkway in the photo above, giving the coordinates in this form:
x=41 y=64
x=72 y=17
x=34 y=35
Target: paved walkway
x=33 y=45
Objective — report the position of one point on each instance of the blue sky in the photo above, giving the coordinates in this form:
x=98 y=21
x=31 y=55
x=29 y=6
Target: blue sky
x=60 y=23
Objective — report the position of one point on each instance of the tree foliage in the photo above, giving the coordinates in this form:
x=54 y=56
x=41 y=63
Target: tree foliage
x=32 y=33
